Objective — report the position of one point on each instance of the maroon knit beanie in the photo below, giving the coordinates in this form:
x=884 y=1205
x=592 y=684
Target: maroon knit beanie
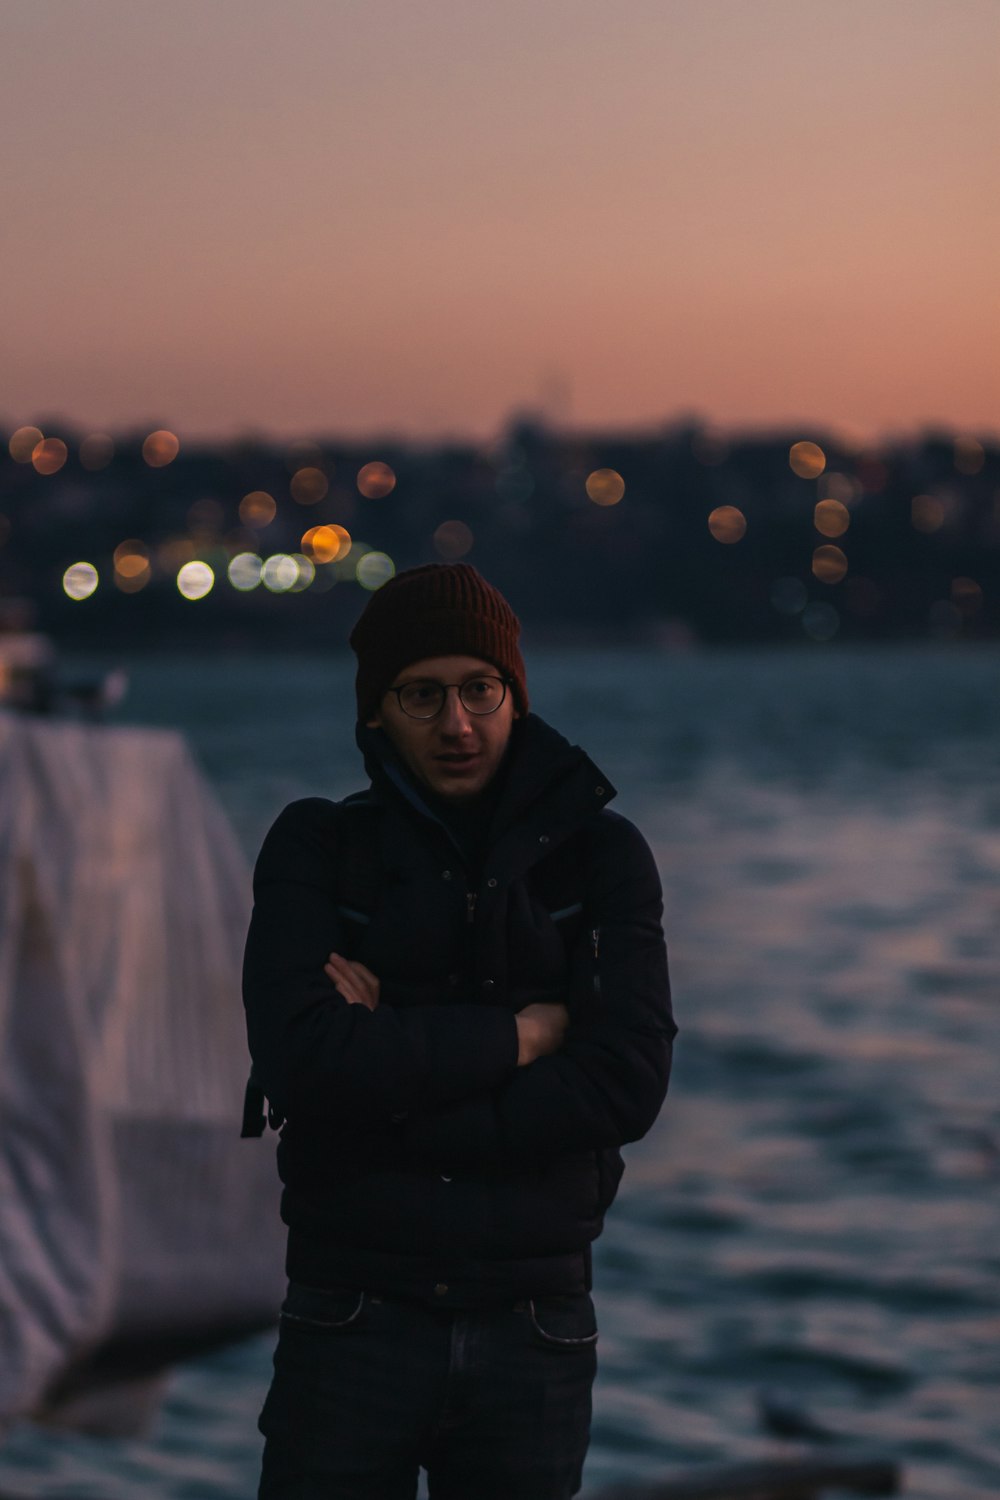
x=443 y=609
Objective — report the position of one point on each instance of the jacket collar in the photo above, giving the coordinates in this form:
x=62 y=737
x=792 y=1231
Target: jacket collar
x=542 y=770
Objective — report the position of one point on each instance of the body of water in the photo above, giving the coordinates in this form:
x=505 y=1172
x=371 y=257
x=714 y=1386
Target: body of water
x=817 y=1210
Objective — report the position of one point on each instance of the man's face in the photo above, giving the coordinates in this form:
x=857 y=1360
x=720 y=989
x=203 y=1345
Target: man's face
x=457 y=753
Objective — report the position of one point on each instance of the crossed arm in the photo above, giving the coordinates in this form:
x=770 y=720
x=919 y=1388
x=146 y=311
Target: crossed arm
x=457 y=1082
x=541 y=1026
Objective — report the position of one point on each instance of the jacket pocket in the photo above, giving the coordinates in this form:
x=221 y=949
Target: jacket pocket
x=564 y=1322
x=321 y=1309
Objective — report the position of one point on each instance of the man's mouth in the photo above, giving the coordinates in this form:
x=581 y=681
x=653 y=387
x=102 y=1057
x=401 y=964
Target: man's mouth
x=457 y=760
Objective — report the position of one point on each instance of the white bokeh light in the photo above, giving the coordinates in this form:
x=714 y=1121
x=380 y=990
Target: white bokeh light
x=195 y=580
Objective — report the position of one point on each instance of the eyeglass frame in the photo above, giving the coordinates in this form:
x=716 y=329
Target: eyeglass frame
x=477 y=713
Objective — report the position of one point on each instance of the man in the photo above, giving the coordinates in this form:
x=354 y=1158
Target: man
x=457 y=998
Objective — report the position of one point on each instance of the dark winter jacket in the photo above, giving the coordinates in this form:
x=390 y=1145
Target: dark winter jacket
x=416 y=1156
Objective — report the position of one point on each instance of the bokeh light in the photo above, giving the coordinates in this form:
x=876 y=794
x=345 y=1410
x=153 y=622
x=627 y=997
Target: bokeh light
x=831 y=518
x=374 y=569
x=244 y=571
x=257 y=509
x=605 y=486
x=132 y=569
x=727 y=523
x=807 y=460
x=49 y=455
x=195 y=580
x=969 y=455
x=820 y=621
x=927 y=513
x=23 y=443
x=80 y=580
x=96 y=451
x=829 y=564
x=305 y=572
x=160 y=448
x=376 y=480
x=452 y=540
x=309 y=486
x=279 y=573
x=326 y=544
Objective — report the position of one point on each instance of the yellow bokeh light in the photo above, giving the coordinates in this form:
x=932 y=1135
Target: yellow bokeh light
x=374 y=569
x=244 y=571
x=727 y=523
x=605 y=486
x=23 y=443
x=308 y=486
x=829 y=564
x=96 y=451
x=969 y=455
x=927 y=513
x=807 y=460
x=159 y=449
x=195 y=580
x=452 y=540
x=326 y=544
x=376 y=480
x=257 y=509
x=80 y=580
x=49 y=455
x=831 y=518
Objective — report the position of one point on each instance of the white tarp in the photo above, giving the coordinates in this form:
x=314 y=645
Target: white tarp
x=129 y=1207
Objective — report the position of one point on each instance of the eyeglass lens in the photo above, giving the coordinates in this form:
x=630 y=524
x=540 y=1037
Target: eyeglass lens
x=424 y=699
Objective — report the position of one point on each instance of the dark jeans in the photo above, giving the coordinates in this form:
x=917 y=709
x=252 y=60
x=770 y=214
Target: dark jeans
x=494 y=1403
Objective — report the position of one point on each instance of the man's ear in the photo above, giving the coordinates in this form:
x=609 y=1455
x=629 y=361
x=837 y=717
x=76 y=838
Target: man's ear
x=375 y=723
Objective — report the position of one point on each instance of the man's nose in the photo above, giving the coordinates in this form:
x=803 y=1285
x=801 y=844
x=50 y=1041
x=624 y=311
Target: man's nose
x=455 y=717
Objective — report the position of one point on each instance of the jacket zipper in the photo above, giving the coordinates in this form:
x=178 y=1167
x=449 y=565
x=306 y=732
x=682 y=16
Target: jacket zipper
x=470 y=907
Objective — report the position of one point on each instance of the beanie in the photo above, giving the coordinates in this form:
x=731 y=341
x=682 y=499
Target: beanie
x=443 y=609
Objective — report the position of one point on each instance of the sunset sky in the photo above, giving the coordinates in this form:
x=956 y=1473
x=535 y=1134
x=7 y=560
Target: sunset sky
x=416 y=216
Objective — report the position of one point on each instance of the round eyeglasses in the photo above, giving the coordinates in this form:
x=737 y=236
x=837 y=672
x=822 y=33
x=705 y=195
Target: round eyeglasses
x=425 y=698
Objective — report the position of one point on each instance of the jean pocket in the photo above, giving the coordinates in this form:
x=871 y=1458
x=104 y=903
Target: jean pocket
x=325 y=1309
x=564 y=1322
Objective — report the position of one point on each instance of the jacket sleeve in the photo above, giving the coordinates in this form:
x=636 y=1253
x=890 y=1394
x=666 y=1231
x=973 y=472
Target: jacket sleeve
x=313 y=1053
x=606 y=1084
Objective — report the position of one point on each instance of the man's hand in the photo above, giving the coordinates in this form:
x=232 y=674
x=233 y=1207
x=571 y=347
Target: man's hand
x=541 y=1028
x=357 y=984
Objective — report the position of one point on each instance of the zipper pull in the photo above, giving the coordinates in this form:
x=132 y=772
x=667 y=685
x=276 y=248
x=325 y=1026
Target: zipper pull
x=596 y=936
x=470 y=907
